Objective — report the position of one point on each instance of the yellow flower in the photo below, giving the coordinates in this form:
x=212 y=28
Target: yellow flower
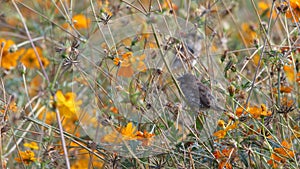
x=123 y=133
x=290 y=73
x=67 y=104
x=30 y=59
x=264 y=8
x=11 y=107
x=128 y=131
x=83 y=158
x=221 y=123
x=47 y=117
x=255 y=60
x=32 y=145
x=26 y=156
x=249 y=32
x=83 y=162
x=8 y=57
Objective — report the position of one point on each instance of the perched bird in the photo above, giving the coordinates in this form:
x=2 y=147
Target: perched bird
x=197 y=95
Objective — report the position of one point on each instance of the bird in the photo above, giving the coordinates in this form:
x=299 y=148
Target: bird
x=198 y=96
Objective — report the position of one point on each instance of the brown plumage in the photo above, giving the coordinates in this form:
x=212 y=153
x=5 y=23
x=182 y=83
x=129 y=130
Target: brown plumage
x=197 y=95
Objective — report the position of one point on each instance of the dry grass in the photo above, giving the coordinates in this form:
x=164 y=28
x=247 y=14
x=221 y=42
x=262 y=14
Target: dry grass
x=93 y=84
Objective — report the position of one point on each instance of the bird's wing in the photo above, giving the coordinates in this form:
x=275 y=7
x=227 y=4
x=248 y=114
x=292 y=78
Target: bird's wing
x=205 y=95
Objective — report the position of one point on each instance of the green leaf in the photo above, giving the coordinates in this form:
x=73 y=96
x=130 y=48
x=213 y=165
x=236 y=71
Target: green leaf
x=200 y=122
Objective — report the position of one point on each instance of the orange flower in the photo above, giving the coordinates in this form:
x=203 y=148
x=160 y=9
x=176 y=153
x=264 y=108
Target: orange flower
x=298 y=78
x=225 y=164
x=30 y=59
x=274 y=161
x=222 y=133
x=129 y=64
x=232 y=126
x=223 y=157
x=129 y=132
x=167 y=6
x=26 y=156
x=80 y=21
x=145 y=137
x=287 y=102
x=296 y=132
x=257 y=112
x=254 y=111
x=285 y=149
x=144 y=134
x=294 y=10
x=239 y=111
x=281 y=154
x=117 y=61
x=35 y=85
x=286 y=89
x=8 y=55
x=114 y=110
